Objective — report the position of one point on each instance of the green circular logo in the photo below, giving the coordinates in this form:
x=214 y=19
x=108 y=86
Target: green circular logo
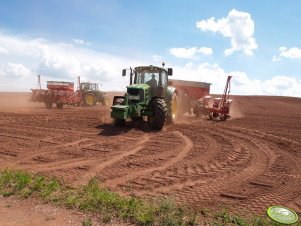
x=282 y=215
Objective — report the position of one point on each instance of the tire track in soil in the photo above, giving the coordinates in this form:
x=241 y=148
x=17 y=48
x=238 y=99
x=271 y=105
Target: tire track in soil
x=184 y=151
x=81 y=162
x=53 y=149
x=259 y=162
x=100 y=166
x=211 y=185
x=263 y=158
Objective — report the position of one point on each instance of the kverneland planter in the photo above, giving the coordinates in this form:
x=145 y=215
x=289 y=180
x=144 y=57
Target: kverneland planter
x=62 y=93
x=221 y=105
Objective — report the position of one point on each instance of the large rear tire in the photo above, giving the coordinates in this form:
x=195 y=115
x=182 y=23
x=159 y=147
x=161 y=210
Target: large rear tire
x=159 y=109
x=89 y=99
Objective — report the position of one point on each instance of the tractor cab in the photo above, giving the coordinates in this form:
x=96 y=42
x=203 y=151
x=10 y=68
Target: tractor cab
x=87 y=86
x=155 y=77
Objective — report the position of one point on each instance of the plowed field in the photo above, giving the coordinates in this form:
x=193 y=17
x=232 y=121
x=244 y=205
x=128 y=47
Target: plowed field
x=249 y=162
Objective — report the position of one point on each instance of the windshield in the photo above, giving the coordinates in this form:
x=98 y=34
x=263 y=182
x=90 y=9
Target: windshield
x=151 y=75
x=89 y=86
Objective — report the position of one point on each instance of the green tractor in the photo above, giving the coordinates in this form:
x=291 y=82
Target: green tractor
x=147 y=95
x=91 y=95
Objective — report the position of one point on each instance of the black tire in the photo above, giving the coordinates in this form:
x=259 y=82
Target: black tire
x=59 y=105
x=119 y=122
x=136 y=119
x=90 y=99
x=158 y=107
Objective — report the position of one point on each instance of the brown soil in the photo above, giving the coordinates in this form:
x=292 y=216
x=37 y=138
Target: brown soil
x=247 y=163
x=28 y=212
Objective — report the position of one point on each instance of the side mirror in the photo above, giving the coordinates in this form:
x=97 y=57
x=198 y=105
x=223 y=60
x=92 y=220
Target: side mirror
x=169 y=71
x=124 y=72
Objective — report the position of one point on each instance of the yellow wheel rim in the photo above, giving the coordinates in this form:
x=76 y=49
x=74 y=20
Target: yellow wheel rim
x=174 y=107
x=90 y=100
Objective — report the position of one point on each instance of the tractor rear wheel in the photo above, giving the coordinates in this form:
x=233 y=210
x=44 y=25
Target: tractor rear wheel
x=159 y=109
x=90 y=99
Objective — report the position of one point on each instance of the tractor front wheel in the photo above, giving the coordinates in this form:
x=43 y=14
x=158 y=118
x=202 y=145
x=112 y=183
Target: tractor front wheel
x=159 y=109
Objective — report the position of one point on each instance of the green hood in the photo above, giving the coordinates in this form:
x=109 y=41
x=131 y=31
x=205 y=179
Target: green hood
x=138 y=86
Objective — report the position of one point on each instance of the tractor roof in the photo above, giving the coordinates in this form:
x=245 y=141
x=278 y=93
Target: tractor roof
x=150 y=67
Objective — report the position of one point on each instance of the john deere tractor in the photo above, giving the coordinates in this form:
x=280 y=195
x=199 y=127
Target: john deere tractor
x=147 y=95
x=91 y=95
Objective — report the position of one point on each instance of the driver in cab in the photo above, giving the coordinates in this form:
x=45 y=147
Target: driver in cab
x=152 y=82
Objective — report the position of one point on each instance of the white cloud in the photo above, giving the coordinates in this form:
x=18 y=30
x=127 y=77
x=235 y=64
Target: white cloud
x=189 y=53
x=241 y=83
x=2 y=50
x=25 y=57
x=292 y=53
x=283 y=86
x=238 y=26
x=157 y=58
x=14 y=70
x=81 y=42
x=205 y=51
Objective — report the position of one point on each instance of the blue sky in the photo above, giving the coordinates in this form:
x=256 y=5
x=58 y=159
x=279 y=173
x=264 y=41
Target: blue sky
x=258 y=42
